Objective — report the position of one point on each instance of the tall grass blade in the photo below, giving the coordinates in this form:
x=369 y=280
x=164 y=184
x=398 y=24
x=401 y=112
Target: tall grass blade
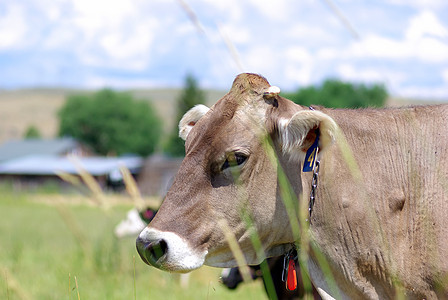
x=7 y=285
x=135 y=285
x=131 y=188
x=13 y=285
x=298 y=219
x=77 y=289
x=236 y=250
x=91 y=183
x=72 y=179
x=256 y=242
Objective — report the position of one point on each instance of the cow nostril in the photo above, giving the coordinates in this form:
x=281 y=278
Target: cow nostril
x=151 y=252
x=157 y=249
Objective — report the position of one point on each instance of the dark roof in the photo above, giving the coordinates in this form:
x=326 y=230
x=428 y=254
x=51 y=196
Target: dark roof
x=51 y=165
x=15 y=149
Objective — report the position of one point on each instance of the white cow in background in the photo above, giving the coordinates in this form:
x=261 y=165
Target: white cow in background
x=134 y=222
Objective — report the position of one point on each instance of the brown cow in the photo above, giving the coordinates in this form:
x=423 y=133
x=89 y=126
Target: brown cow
x=380 y=214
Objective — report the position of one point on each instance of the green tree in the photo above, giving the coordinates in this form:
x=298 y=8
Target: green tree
x=338 y=94
x=190 y=96
x=111 y=123
x=32 y=132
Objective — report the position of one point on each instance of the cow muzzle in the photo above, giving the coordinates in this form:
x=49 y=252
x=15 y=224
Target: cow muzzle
x=168 y=251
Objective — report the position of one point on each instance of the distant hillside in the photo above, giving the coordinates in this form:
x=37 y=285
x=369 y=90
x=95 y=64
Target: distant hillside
x=396 y=102
x=20 y=109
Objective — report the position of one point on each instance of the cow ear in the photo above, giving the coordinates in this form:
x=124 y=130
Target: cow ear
x=190 y=119
x=299 y=132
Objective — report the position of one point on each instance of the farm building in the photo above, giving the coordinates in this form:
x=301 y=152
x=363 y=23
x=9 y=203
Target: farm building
x=56 y=147
x=29 y=164
x=157 y=175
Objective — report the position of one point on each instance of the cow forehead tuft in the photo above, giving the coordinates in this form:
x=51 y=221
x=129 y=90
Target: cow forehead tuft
x=249 y=81
x=237 y=99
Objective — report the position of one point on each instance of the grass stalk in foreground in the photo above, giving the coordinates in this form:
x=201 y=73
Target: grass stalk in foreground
x=298 y=214
x=256 y=242
x=77 y=289
x=13 y=285
x=131 y=188
x=135 y=285
x=236 y=250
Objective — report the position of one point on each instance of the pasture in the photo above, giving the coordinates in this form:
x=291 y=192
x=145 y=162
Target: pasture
x=57 y=249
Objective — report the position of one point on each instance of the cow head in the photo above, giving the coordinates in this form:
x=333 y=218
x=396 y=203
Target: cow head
x=234 y=152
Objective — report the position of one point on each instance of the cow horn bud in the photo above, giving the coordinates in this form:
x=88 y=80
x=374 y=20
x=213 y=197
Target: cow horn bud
x=271 y=92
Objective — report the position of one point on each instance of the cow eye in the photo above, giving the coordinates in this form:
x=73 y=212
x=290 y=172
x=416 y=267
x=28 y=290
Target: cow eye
x=235 y=159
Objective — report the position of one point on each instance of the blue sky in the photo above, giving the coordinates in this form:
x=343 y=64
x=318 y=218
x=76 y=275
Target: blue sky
x=154 y=43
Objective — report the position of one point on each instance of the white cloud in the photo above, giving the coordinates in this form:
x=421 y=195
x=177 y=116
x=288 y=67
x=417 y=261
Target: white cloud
x=60 y=38
x=298 y=54
x=303 y=32
x=285 y=67
x=230 y=10
x=329 y=53
x=235 y=33
x=299 y=66
x=121 y=36
x=445 y=76
x=125 y=45
x=348 y=72
x=425 y=24
x=425 y=39
x=298 y=75
x=272 y=10
x=290 y=43
x=260 y=59
x=425 y=49
x=99 y=15
x=431 y=50
x=390 y=77
x=425 y=92
x=13 y=27
x=421 y=3
x=380 y=47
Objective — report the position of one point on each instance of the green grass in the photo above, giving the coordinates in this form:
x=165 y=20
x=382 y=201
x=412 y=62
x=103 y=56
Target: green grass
x=43 y=248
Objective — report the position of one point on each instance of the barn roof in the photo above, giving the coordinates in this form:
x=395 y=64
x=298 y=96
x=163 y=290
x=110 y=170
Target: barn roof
x=51 y=165
x=20 y=148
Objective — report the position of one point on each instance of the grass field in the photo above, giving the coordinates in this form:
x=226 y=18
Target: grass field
x=57 y=250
